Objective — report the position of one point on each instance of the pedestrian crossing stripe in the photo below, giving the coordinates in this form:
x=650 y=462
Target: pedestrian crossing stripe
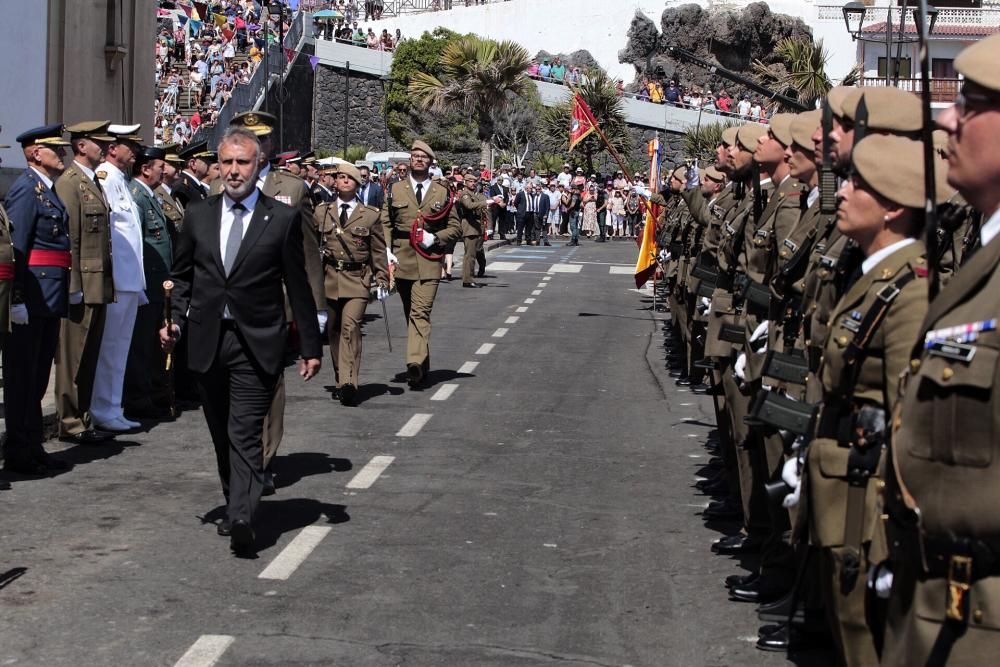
x=621 y=270
x=504 y=266
x=565 y=268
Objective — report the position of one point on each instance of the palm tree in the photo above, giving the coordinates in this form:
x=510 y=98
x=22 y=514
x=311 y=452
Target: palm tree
x=700 y=143
x=803 y=74
x=480 y=77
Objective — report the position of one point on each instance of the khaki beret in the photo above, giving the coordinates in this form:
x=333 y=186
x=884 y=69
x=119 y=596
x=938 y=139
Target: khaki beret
x=890 y=110
x=836 y=98
x=729 y=136
x=421 y=146
x=350 y=170
x=979 y=63
x=90 y=129
x=940 y=138
x=893 y=166
x=714 y=174
x=680 y=173
x=748 y=135
x=781 y=127
x=803 y=127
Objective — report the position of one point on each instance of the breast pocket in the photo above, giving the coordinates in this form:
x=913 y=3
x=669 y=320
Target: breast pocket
x=94 y=220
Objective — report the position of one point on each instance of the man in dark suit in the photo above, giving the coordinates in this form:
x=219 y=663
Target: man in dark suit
x=527 y=203
x=235 y=252
x=191 y=186
x=370 y=193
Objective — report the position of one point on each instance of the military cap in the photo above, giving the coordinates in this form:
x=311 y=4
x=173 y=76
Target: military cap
x=893 y=166
x=126 y=132
x=171 y=153
x=150 y=153
x=781 y=127
x=286 y=157
x=350 y=170
x=890 y=110
x=978 y=63
x=680 y=173
x=260 y=123
x=198 y=150
x=835 y=98
x=748 y=135
x=90 y=129
x=47 y=135
x=714 y=174
x=422 y=146
x=803 y=127
x=729 y=136
x=294 y=158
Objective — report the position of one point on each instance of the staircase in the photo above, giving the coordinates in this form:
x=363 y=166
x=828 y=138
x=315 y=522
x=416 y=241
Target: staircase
x=184 y=106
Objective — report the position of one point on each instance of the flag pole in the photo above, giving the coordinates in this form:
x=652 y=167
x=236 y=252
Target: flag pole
x=604 y=138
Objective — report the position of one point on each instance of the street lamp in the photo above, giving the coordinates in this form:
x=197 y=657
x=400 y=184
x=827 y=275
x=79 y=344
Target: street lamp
x=854 y=19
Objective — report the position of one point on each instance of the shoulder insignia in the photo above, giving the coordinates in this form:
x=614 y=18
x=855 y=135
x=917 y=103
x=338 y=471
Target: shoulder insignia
x=921 y=271
x=102 y=175
x=887 y=273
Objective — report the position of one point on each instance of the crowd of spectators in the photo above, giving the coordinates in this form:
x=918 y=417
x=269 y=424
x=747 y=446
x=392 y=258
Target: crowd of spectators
x=696 y=97
x=352 y=33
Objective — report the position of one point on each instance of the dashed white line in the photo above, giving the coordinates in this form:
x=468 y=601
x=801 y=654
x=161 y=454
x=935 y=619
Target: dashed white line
x=529 y=300
x=500 y=333
x=468 y=367
x=541 y=284
x=621 y=270
x=367 y=475
x=521 y=309
x=547 y=278
x=445 y=392
x=536 y=292
x=485 y=348
x=565 y=268
x=412 y=427
x=512 y=319
x=295 y=553
x=206 y=651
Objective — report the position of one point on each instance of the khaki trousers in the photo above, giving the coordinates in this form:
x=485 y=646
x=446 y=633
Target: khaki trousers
x=76 y=363
x=473 y=248
x=418 y=300
x=844 y=601
x=344 y=332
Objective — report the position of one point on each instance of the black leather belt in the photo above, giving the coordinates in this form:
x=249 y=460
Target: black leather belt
x=341 y=265
x=942 y=552
x=400 y=235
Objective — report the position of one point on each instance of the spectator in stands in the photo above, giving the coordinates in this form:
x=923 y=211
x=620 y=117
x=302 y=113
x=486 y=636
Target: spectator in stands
x=256 y=54
x=558 y=71
x=743 y=108
x=695 y=100
x=359 y=36
x=371 y=39
x=385 y=41
x=533 y=69
x=195 y=121
x=724 y=102
x=672 y=95
x=579 y=180
x=195 y=83
x=573 y=77
x=399 y=38
x=566 y=177
x=756 y=113
x=656 y=93
x=545 y=70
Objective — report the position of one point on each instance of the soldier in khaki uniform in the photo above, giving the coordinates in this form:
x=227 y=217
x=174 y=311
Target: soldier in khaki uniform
x=353 y=247
x=941 y=491
x=418 y=199
x=91 y=286
x=872 y=331
x=473 y=206
x=172 y=208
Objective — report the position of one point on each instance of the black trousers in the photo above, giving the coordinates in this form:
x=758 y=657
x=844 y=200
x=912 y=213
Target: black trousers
x=27 y=361
x=236 y=396
x=146 y=382
x=526 y=227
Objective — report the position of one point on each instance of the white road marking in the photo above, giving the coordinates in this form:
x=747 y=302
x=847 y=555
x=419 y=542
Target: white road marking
x=445 y=392
x=547 y=278
x=565 y=268
x=621 y=270
x=412 y=427
x=500 y=333
x=468 y=367
x=512 y=319
x=521 y=309
x=529 y=300
x=206 y=651
x=485 y=348
x=504 y=266
x=367 y=475
x=536 y=292
x=694 y=456
x=540 y=285
x=295 y=553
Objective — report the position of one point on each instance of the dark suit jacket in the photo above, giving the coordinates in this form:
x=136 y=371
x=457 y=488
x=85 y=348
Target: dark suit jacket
x=376 y=197
x=521 y=204
x=187 y=190
x=270 y=255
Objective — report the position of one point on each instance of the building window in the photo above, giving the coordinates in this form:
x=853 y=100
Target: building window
x=943 y=68
x=904 y=68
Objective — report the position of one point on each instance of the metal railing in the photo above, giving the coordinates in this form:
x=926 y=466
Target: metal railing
x=392 y=8
x=942 y=90
x=987 y=16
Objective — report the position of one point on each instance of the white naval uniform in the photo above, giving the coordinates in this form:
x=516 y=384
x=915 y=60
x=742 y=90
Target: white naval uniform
x=130 y=286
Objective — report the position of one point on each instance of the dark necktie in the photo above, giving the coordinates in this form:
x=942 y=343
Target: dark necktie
x=235 y=237
x=420 y=193
x=343 y=215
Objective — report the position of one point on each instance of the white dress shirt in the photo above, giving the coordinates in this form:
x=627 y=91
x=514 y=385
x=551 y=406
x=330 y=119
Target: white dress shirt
x=351 y=205
x=126 y=232
x=872 y=260
x=227 y=224
x=45 y=179
x=426 y=183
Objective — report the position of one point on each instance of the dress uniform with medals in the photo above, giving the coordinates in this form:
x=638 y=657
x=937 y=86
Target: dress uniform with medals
x=42 y=262
x=172 y=208
x=413 y=208
x=91 y=288
x=353 y=247
x=943 y=488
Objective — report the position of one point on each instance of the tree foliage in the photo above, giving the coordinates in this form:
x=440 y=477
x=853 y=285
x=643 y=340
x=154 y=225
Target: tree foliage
x=802 y=71
x=699 y=143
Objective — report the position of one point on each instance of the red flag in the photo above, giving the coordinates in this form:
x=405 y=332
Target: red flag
x=582 y=122
x=290 y=54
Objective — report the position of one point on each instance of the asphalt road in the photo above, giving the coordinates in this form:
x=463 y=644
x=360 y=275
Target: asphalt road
x=534 y=506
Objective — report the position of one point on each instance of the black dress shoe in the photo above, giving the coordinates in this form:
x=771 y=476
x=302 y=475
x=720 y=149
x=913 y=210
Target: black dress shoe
x=471 y=285
x=736 y=544
x=269 y=489
x=683 y=382
x=760 y=591
x=700 y=388
x=224 y=528
x=677 y=373
x=414 y=375
x=348 y=395
x=737 y=580
x=88 y=437
x=723 y=511
x=481 y=274
x=547 y=243
x=335 y=393
x=790 y=638
x=776 y=640
x=241 y=538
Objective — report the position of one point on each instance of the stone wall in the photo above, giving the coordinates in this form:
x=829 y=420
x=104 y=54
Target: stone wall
x=356 y=99
x=297 y=110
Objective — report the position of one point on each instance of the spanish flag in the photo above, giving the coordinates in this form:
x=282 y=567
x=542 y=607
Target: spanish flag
x=645 y=266
x=582 y=122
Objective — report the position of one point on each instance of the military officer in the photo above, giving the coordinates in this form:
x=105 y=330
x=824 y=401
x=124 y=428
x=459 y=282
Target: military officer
x=147 y=393
x=942 y=487
x=42 y=261
x=91 y=285
x=172 y=208
x=419 y=215
x=353 y=247
x=473 y=206
x=191 y=186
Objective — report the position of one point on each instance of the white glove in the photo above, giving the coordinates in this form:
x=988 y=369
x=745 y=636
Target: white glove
x=693 y=177
x=792 y=499
x=143 y=299
x=791 y=472
x=381 y=293
x=741 y=366
x=880 y=578
x=392 y=258
x=75 y=298
x=321 y=318
x=760 y=331
x=643 y=191
x=705 y=301
x=427 y=239
x=19 y=313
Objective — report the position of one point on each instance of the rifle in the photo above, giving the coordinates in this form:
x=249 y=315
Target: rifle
x=927 y=134
x=168 y=288
x=827 y=177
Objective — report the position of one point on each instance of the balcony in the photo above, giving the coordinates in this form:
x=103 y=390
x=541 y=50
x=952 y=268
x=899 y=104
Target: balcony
x=943 y=91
